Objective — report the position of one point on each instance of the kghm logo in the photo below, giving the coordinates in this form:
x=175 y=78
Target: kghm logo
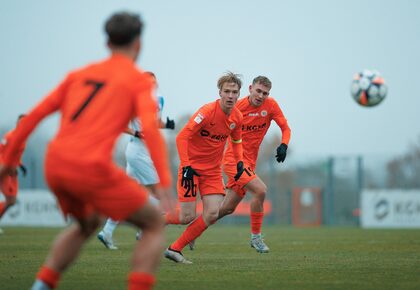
x=382 y=209
x=254 y=127
x=217 y=137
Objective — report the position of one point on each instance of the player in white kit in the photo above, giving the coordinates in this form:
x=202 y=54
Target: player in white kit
x=139 y=166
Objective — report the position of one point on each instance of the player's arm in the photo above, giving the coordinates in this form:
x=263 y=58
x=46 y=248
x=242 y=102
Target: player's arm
x=237 y=148
x=281 y=121
x=50 y=104
x=195 y=123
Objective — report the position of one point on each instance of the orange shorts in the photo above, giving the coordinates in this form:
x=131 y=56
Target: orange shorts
x=9 y=185
x=205 y=184
x=84 y=189
x=238 y=186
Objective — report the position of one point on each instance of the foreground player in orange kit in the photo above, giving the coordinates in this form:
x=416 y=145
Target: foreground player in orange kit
x=258 y=110
x=200 y=146
x=9 y=183
x=96 y=103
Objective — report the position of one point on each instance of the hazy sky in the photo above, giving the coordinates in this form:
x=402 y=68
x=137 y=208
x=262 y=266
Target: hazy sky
x=309 y=49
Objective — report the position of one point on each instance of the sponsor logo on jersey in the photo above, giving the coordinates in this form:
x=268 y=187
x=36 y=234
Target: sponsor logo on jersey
x=218 y=137
x=199 y=118
x=253 y=114
x=254 y=127
x=263 y=113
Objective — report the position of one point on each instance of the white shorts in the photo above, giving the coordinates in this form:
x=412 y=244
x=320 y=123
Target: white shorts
x=139 y=164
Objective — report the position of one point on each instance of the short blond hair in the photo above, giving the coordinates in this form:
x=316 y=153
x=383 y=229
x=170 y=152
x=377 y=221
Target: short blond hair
x=229 y=77
x=265 y=81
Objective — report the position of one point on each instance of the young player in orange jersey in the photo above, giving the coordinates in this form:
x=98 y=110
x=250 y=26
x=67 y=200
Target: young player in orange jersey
x=96 y=103
x=258 y=110
x=200 y=146
x=9 y=184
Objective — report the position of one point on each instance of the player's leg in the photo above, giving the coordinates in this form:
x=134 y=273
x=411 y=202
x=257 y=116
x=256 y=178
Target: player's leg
x=64 y=251
x=187 y=197
x=211 y=205
x=230 y=202
x=140 y=167
x=106 y=234
x=258 y=190
x=136 y=209
x=212 y=192
x=153 y=200
x=149 y=248
x=235 y=189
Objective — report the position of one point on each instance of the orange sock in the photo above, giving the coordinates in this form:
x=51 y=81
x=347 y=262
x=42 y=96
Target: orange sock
x=172 y=219
x=256 y=222
x=2 y=207
x=48 y=276
x=193 y=231
x=140 y=281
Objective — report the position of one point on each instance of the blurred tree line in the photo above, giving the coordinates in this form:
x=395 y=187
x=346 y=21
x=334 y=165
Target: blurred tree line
x=404 y=171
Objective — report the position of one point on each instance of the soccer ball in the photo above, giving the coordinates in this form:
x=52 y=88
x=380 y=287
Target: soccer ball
x=368 y=88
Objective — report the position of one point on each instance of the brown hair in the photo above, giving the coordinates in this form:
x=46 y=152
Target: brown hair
x=229 y=77
x=265 y=81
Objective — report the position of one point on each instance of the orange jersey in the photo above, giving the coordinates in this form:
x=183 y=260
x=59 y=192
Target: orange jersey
x=4 y=141
x=96 y=103
x=202 y=140
x=256 y=121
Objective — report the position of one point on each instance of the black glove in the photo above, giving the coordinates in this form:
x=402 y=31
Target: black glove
x=188 y=176
x=281 y=152
x=239 y=169
x=23 y=169
x=170 y=124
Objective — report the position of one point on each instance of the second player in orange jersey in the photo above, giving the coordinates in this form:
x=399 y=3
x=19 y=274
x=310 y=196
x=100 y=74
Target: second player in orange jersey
x=200 y=146
x=258 y=110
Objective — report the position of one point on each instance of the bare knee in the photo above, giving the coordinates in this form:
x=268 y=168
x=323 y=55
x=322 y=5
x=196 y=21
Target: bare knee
x=186 y=218
x=225 y=211
x=211 y=216
x=260 y=194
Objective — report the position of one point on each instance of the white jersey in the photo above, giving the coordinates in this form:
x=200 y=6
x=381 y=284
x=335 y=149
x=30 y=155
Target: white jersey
x=139 y=164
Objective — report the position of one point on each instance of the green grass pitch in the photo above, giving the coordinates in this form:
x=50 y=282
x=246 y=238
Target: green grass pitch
x=300 y=258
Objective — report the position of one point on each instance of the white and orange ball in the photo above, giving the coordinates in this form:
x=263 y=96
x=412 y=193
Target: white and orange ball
x=368 y=88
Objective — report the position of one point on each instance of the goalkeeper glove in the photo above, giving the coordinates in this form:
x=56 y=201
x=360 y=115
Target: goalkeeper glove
x=281 y=152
